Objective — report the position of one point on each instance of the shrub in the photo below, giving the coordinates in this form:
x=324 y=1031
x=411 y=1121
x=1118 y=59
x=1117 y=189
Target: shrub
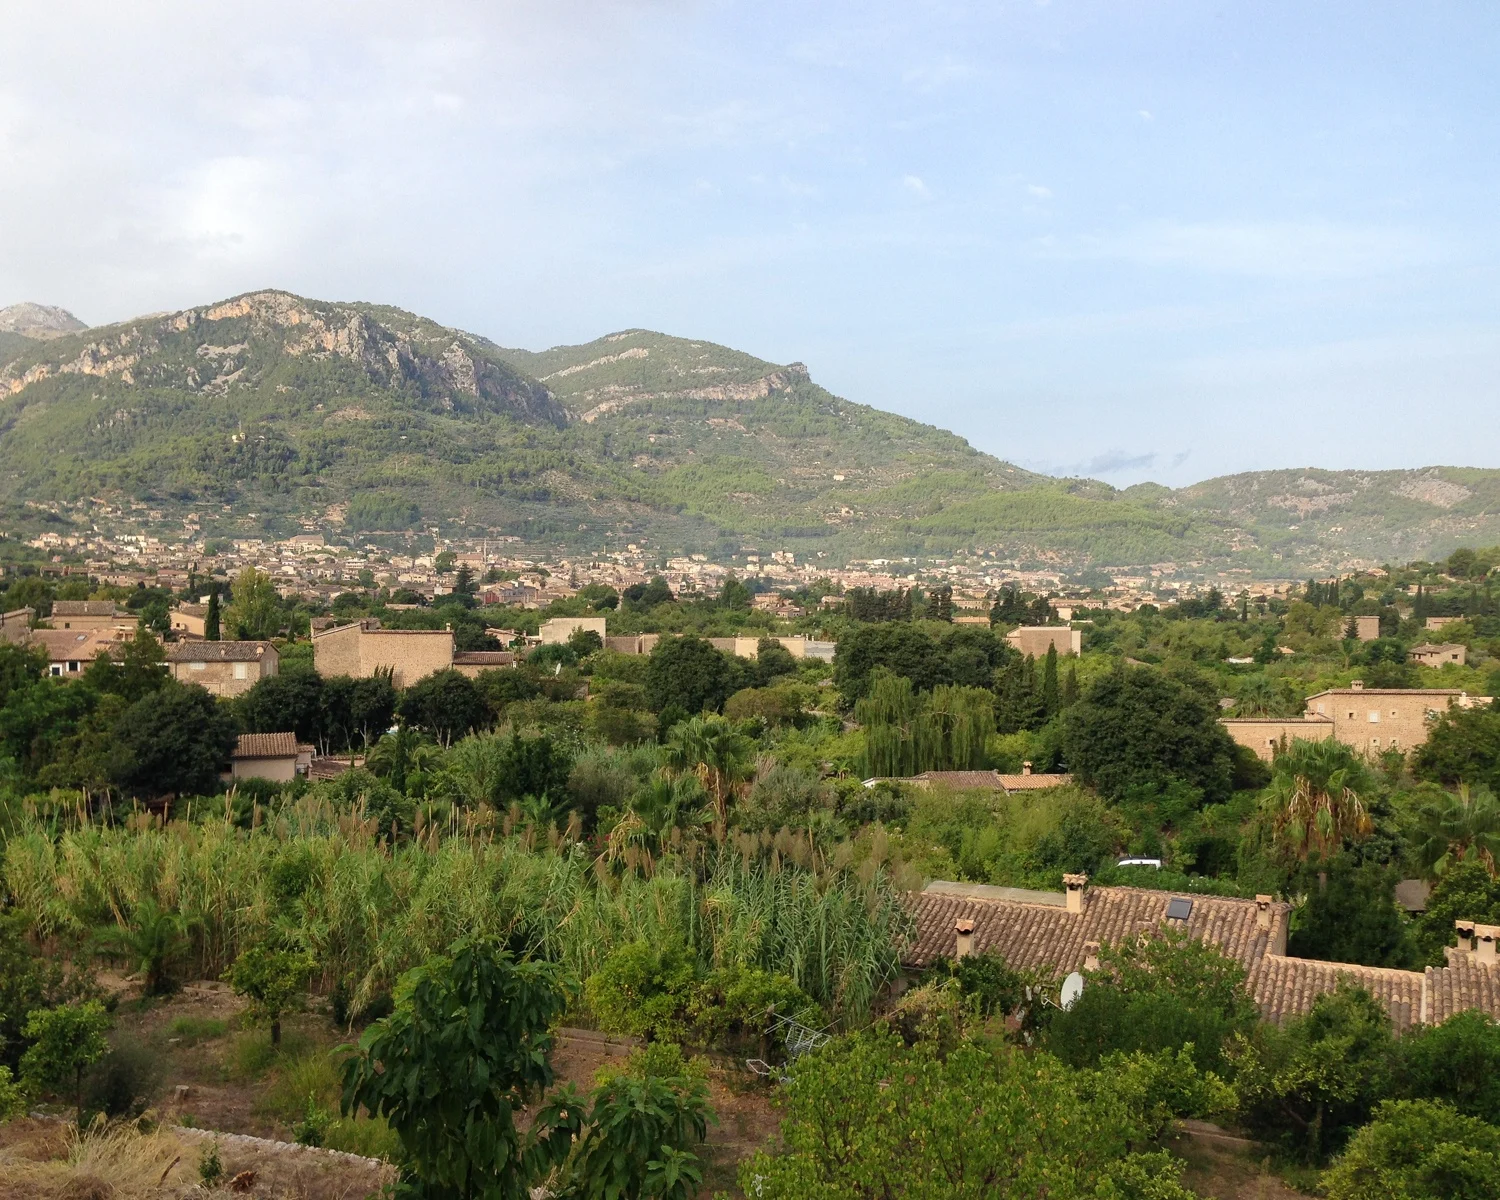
x=643 y=991
x=991 y=987
x=1418 y=1150
x=124 y=1082
x=1457 y=1062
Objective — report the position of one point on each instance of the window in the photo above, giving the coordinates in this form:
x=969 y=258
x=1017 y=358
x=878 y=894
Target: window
x=1179 y=908
x=1393 y=712
x=1374 y=717
x=197 y=666
x=57 y=668
x=242 y=670
x=1351 y=716
x=72 y=666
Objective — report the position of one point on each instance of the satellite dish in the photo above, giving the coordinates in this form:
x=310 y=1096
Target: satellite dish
x=1072 y=988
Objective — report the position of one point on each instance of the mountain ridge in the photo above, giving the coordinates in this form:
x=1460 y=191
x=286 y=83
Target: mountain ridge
x=360 y=416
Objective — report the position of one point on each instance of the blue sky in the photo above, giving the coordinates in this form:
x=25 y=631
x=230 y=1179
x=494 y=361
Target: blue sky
x=1133 y=240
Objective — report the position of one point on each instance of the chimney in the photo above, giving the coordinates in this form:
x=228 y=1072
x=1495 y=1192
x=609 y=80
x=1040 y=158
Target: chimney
x=1484 y=944
x=1075 y=885
x=1358 y=685
x=1026 y=768
x=1263 y=913
x=1465 y=936
x=963 y=930
x=1090 y=956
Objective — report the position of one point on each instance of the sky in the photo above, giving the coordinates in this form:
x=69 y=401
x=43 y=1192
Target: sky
x=1126 y=239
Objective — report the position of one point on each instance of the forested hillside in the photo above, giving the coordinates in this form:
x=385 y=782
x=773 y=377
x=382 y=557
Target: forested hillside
x=368 y=418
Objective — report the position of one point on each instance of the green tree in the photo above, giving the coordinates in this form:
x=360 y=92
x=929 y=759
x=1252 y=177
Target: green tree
x=211 y=618
x=1463 y=746
x=254 y=610
x=688 y=673
x=1163 y=993
x=1459 y=828
x=1313 y=1083
x=174 y=741
x=65 y=1042
x=1050 y=698
x=20 y=667
x=271 y=980
x=28 y=981
x=1316 y=799
x=1417 y=1150
x=1136 y=726
x=290 y=700
x=719 y=754
x=1465 y=892
x=975 y=1124
x=1350 y=915
x=141 y=669
x=446 y=704
x=1457 y=1062
x=463 y=1053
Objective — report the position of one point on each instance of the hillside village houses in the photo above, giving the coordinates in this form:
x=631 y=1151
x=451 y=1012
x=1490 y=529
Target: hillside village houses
x=225 y=669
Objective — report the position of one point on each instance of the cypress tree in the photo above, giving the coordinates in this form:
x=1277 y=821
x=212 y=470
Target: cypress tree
x=1070 y=687
x=211 y=618
x=1049 y=682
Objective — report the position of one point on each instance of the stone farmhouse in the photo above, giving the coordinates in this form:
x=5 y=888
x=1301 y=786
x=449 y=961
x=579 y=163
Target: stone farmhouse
x=190 y=620
x=363 y=649
x=92 y=615
x=223 y=668
x=1036 y=640
x=1431 y=654
x=1370 y=720
x=1059 y=932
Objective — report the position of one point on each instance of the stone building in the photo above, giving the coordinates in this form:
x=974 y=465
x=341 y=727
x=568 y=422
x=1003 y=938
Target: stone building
x=1431 y=654
x=1367 y=629
x=15 y=626
x=1268 y=736
x=274 y=756
x=1374 y=720
x=363 y=649
x=1036 y=640
x=559 y=629
x=70 y=651
x=91 y=615
x=189 y=620
x=223 y=668
x=1058 y=932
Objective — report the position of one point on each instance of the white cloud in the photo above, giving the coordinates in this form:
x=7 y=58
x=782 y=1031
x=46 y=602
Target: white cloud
x=1040 y=192
x=914 y=185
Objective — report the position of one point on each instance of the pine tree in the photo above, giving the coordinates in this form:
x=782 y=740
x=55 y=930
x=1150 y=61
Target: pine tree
x=211 y=619
x=1049 y=682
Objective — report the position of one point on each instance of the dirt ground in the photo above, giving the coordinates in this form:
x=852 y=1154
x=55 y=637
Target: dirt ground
x=214 y=1075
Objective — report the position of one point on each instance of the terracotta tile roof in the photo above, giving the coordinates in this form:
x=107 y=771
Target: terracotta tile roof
x=266 y=745
x=1033 y=782
x=64 y=645
x=1286 y=987
x=83 y=608
x=483 y=658
x=326 y=768
x=1029 y=934
x=196 y=651
x=1461 y=984
x=960 y=779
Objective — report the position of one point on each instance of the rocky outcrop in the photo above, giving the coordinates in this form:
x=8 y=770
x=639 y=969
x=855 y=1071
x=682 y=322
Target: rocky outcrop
x=211 y=349
x=41 y=321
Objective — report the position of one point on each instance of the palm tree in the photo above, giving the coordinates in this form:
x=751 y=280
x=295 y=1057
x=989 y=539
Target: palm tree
x=1263 y=696
x=714 y=750
x=151 y=939
x=1461 y=828
x=1316 y=798
x=659 y=815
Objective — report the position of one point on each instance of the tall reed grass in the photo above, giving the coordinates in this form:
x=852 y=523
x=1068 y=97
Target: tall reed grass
x=369 y=911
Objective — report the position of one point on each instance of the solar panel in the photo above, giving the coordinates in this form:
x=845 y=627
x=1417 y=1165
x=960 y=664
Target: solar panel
x=1179 y=908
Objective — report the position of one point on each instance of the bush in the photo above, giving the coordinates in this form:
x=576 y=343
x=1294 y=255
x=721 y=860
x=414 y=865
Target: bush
x=1418 y=1150
x=991 y=987
x=124 y=1082
x=1457 y=1062
x=1313 y=1083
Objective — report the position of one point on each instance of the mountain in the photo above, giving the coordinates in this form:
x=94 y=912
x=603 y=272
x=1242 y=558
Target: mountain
x=39 y=321
x=366 y=418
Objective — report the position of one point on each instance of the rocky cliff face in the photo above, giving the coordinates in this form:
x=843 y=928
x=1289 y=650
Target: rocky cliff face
x=40 y=321
x=214 y=349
